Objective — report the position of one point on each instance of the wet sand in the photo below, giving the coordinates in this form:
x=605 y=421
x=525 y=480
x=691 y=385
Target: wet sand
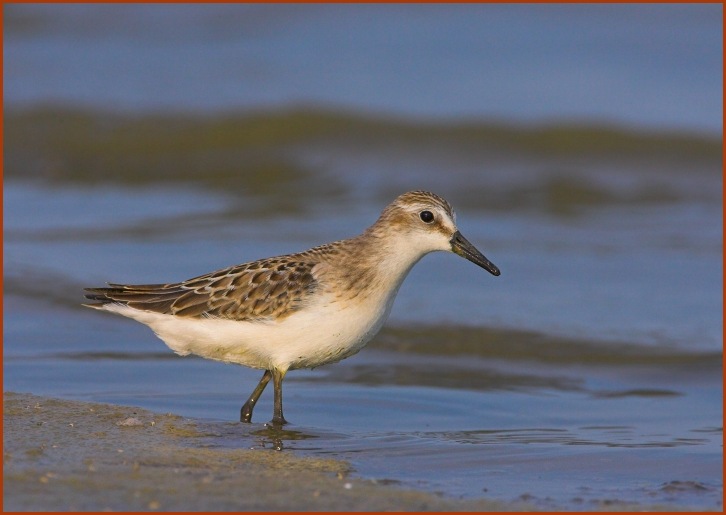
x=67 y=455
x=62 y=455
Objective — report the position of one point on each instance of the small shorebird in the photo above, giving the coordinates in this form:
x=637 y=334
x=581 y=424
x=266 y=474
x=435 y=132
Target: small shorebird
x=300 y=310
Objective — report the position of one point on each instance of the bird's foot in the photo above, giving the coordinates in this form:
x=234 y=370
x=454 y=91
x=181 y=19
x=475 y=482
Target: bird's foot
x=245 y=414
x=277 y=422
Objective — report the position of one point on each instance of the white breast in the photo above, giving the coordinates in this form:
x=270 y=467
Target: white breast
x=325 y=332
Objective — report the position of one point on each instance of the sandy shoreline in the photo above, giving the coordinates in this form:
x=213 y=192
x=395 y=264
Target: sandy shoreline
x=68 y=455
x=63 y=455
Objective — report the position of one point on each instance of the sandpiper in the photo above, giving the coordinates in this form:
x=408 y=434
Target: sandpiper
x=299 y=310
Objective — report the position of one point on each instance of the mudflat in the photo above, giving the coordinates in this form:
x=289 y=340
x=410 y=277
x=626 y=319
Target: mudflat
x=63 y=455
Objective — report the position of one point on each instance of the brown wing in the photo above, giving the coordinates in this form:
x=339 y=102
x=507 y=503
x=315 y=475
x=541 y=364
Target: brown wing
x=270 y=288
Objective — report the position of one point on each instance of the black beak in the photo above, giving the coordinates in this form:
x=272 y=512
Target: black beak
x=461 y=246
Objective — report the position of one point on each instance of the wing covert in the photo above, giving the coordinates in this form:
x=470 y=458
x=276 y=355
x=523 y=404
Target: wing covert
x=261 y=290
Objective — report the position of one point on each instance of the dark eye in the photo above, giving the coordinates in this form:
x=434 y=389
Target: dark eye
x=427 y=216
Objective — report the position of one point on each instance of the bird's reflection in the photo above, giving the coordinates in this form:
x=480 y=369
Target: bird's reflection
x=275 y=436
x=264 y=436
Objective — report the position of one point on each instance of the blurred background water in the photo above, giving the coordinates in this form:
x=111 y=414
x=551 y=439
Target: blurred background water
x=581 y=146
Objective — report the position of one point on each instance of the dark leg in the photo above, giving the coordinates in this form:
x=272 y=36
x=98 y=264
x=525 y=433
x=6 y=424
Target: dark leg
x=277 y=418
x=246 y=411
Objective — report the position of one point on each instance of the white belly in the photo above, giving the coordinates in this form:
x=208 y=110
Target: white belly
x=316 y=335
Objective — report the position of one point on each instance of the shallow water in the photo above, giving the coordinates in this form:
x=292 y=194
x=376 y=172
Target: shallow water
x=587 y=375
x=513 y=391
x=653 y=65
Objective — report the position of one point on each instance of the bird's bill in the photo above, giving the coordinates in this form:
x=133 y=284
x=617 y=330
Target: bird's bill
x=462 y=247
